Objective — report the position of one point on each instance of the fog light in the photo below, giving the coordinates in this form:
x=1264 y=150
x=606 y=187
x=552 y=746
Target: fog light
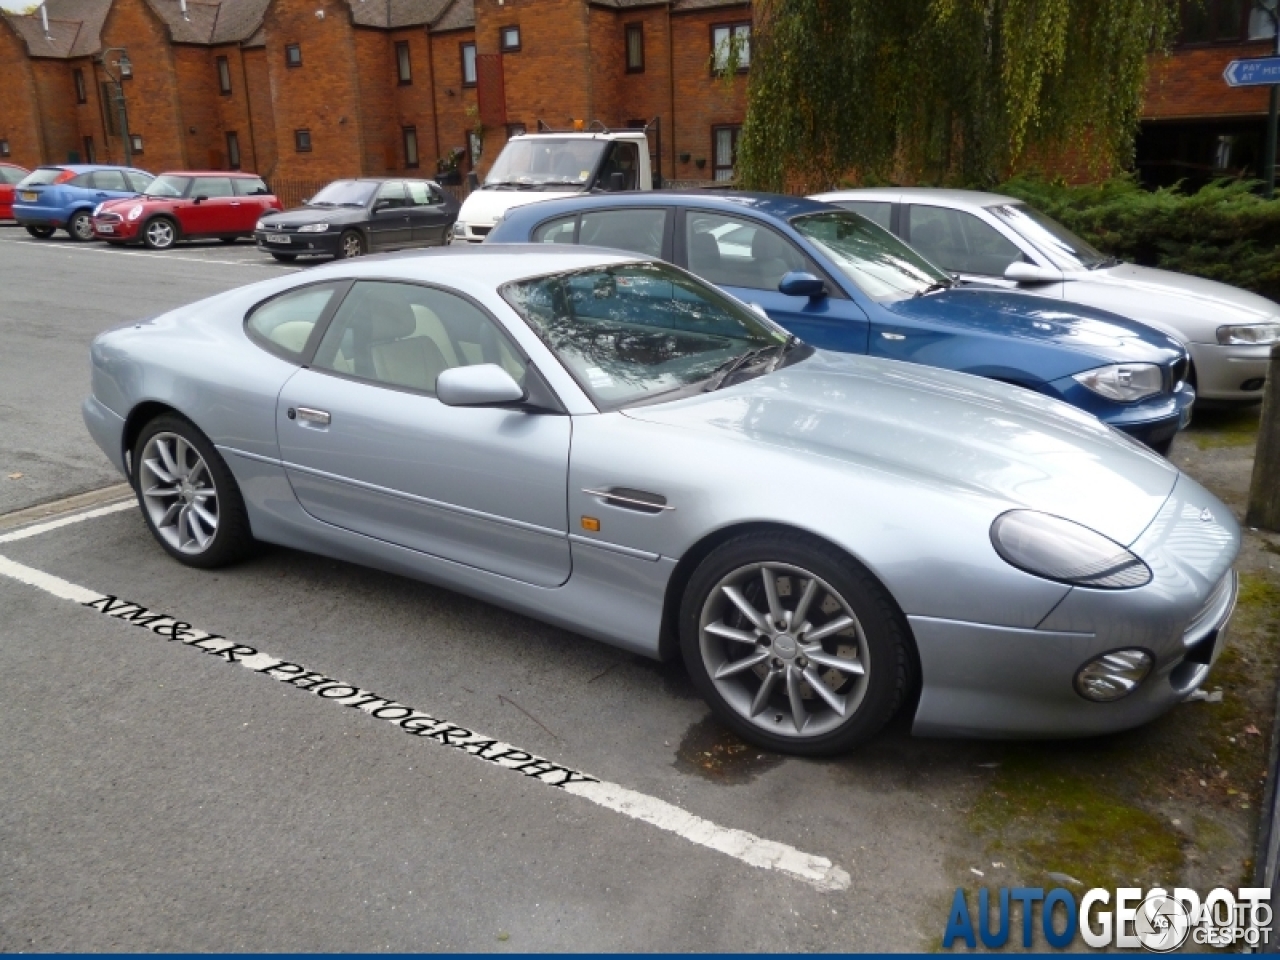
x=1253 y=384
x=1113 y=675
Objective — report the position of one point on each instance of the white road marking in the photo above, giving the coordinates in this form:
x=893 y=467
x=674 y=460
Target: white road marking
x=176 y=255
x=39 y=528
x=743 y=846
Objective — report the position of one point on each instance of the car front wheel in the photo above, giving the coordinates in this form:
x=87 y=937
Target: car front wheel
x=350 y=244
x=160 y=234
x=188 y=496
x=795 y=645
x=80 y=226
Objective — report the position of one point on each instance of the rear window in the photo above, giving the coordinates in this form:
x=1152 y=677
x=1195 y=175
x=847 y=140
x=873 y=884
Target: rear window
x=11 y=174
x=284 y=324
x=250 y=187
x=41 y=176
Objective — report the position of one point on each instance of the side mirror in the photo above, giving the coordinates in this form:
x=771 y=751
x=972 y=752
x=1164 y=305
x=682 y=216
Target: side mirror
x=1020 y=272
x=617 y=182
x=799 y=283
x=481 y=385
x=202 y=198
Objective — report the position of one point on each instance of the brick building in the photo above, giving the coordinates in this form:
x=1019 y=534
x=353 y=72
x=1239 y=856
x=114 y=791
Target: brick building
x=310 y=90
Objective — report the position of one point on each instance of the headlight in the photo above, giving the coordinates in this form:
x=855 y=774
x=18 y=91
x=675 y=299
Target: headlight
x=135 y=212
x=259 y=225
x=1061 y=550
x=459 y=229
x=1249 y=333
x=1113 y=675
x=314 y=228
x=1125 y=382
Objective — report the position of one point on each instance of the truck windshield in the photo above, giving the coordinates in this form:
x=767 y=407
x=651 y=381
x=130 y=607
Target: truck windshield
x=538 y=162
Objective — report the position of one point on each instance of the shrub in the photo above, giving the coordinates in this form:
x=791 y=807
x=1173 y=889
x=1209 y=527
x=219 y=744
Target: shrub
x=1225 y=231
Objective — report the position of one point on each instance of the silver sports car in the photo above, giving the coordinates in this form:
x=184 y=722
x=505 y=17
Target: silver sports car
x=611 y=445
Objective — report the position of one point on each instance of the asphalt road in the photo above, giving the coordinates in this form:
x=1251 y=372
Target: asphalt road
x=153 y=797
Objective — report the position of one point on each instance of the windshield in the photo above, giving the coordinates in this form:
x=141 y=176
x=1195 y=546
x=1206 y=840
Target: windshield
x=167 y=186
x=1050 y=237
x=545 y=161
x=41 y=176
x=345 y=193
x=883 y=267
x=632 y=332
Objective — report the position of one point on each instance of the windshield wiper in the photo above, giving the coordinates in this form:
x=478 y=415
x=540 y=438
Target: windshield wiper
x=783 y=349
x=320 y=203
x=733 y=365
x=935 y=287
x=1108 y=262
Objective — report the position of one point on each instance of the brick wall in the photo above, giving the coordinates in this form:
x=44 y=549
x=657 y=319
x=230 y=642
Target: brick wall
x=701 y=100
x=18 y=122
x=199 y=108
x=452 y=99
x=261 y=146
x=56 y=103
x=414 y=103
x=1189 y=83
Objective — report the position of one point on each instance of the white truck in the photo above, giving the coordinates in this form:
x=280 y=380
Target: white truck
x=548 y=165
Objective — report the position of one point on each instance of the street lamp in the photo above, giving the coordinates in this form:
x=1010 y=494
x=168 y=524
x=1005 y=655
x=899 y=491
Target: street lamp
x=125 y=70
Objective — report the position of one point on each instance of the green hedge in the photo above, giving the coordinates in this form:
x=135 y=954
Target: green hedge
x=1225 y=231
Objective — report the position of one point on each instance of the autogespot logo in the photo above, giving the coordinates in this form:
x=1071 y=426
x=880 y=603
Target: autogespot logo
x=1157 y=920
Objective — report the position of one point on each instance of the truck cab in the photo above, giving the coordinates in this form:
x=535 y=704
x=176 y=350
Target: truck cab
x=550 y=165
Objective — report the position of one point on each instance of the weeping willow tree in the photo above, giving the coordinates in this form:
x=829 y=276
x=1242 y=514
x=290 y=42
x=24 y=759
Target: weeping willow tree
x=956 y=91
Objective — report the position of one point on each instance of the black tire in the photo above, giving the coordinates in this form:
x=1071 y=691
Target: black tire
x=285 y=257
x=80 y=226
x=41 y=233
x=883 y=645
x=351 y=244
x=159 y=233
x=232 y=539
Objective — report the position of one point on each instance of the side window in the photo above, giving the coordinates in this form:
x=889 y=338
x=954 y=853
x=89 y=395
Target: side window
x=555 y=231
x=959 y=241
x=138 y=182
x=250 y=187
x=284 y=324
x=402 y=335
x=212 y=187
x=638 y=231
x=84 y=180
x=419 y=195
x=110 y=180
x=437 y=195
x=391 y=194
x=880 y=214
x=739 y=253
x=624 y=158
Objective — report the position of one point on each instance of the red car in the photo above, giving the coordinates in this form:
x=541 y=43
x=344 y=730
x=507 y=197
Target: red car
x=10 y=174
x=187 y=205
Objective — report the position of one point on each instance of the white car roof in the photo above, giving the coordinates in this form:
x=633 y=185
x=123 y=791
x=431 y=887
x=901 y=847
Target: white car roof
x=479 y=265
x=594 y=135
x=948 y=198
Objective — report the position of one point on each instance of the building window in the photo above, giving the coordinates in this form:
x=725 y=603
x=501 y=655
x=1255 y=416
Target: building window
x=509 y=39
x=135 y=142
x=233 y=150
x=292 y=55
x=224 y=77
x=82 y=95
x=468 y=64
x=302 y=141
x=724 y=151
x=90 y=155
x=730 y=41
x=1224 y=21
x=4 y=148
x=410 y=147
x=635 y=48
x=404 y=67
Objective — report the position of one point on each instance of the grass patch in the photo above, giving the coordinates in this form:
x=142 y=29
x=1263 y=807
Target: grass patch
x=1214 y=429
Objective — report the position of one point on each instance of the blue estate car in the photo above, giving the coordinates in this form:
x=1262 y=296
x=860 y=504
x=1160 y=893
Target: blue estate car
x=62 y=196
x=840 y=282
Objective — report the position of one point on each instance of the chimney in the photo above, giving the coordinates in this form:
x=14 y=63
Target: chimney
x=44 y=20
x=182 y=4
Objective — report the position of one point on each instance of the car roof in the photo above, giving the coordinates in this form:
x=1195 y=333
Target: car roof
x=958 y=198
x=479 y=264
x=209 y=173
x=89 y=167
x=776 y=205
x=629 y=134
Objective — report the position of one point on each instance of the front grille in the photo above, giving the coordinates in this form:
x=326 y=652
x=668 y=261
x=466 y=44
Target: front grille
x=109 y=217
x=481 y=231
x=1178 y=372
x=1210 y=607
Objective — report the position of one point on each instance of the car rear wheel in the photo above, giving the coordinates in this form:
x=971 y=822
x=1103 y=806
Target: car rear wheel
x=188 y=496
x=80 y=226
x=795 y=645
x=285 y=257
x=40 y=233
x=160 y=234
x=350 y=244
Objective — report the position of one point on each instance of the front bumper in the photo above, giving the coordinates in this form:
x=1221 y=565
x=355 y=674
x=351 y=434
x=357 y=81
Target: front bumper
x=1222 y=372
x=470 y=232
x=115 y=229
x=1152 y=421
x=987 y=681
x=298 y=244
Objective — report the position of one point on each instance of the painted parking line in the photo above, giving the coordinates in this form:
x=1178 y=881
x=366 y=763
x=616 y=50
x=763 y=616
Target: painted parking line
x=36 y=529
x=176 y=255
x=739 y=844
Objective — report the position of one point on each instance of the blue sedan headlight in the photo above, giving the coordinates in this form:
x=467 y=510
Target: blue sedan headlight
x=1060 y=550
x=1125 y=382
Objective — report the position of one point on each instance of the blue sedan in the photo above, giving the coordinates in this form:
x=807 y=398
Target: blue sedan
x=840 y=282
x=63 y=197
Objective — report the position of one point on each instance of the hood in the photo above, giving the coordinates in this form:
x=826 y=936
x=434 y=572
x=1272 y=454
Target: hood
x=1194 y=306
x=484 y=206
x=1098 y=334
x=300 y=216
x=972 y=435
x=122 y=205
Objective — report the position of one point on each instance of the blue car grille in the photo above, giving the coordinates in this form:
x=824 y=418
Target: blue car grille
x=1178 y=371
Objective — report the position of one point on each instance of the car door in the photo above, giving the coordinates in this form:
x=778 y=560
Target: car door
x=251 y=199
x=389 y=225
x=109 y=185
x=369 y=448
x=211 y=206
x=428 y=215
x=642 y=230
x=961 y=243
x=749 y=258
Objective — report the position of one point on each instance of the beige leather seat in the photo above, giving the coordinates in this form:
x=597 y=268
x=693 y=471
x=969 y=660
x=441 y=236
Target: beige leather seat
x=396 y=355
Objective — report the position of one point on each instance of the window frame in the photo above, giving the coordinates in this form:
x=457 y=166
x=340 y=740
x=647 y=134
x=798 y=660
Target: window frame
x=233 y=150
x=734 y=137
x=404 y=63
x=82 y=90
x=1210 y=8
x=292 y=55
x=731 y=26
x=635 y=29
x=298 y=138
x=503 y=46
x=135 y=143
x=223 y=66
x=340 y=291
x=462 y=56
x=4 y=146
x=409 y=135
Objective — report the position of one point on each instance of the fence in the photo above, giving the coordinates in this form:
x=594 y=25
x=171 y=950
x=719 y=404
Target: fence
x=294 y=192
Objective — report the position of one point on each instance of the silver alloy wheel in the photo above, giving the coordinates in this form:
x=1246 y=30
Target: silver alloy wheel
x=784 y=649
x=82 y=226
x=351 y=246
x=178 y=493
x=160 y=234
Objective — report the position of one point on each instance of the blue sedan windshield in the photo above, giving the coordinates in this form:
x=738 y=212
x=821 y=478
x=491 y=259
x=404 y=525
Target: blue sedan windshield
x=883 y=267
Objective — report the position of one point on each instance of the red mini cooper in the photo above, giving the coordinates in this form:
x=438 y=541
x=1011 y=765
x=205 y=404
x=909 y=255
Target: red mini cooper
x=188 y=205
x=9 y=175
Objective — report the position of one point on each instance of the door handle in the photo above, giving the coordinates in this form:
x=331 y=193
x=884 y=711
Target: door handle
x=310 y=415
x=892 y=336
